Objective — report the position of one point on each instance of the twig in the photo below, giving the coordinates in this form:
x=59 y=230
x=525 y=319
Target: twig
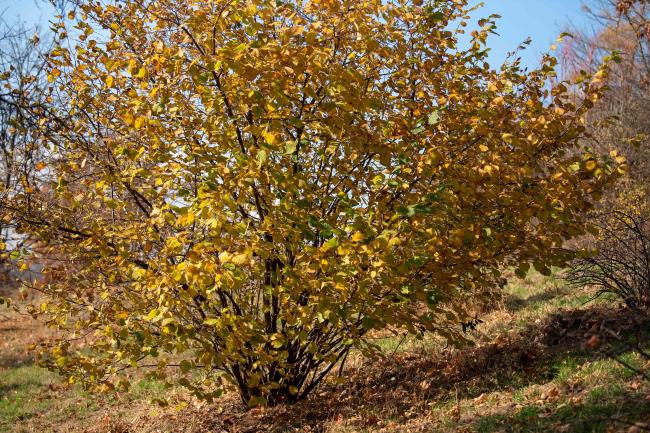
x=629 y=367
x=393 y=354
x=614 y=356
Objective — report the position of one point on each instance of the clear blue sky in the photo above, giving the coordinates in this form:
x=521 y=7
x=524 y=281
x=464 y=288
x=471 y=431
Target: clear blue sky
x=542 y=20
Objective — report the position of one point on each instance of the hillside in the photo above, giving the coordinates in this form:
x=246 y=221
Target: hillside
x=536 y=367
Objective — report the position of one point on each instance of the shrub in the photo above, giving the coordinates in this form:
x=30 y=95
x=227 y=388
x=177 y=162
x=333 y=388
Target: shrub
x=242 y=190
x=619 y=261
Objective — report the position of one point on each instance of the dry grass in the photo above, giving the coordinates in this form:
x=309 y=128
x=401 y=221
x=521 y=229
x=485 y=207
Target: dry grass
x=530 y=370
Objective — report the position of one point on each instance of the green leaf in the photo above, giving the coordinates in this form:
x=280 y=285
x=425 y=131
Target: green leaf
x=290 y=147
x=437 y=16
x=406 y=211
x=522 y=269
x=185 y=366
x=261 y=156
x=432 y=298
x=332 y=243
x=257 y=401
x=417 y=130
x=434 y=118
x=542 y=268
x=369 y=323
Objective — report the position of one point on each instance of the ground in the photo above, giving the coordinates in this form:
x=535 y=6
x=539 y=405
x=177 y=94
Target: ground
x=549 y=358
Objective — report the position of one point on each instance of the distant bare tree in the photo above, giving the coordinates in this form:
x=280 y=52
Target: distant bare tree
x=620 y=262
x=21 y=72
x=623 y=27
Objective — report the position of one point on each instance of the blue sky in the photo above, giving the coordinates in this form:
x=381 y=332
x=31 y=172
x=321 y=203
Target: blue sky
x=542 y=20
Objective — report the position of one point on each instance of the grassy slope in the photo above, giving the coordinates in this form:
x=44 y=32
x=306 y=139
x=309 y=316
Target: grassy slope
x=530 y=371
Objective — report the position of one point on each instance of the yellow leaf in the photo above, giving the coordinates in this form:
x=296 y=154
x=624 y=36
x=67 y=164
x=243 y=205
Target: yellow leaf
x=128 y=118
x=225 y=257
x=270 y=137
x=132 y=65
x=259 y=167
x=591 y=165
x=242 y=259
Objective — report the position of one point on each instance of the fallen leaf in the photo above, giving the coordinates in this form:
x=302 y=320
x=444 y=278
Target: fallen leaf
x=593 y=342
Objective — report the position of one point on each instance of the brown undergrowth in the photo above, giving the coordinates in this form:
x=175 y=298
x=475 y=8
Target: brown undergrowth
x=404 y=387
x=551 y=372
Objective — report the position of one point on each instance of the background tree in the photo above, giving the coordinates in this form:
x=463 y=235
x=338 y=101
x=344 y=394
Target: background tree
x=21 y=65
x=247 y=188
x=620 y=260
x=621 y=26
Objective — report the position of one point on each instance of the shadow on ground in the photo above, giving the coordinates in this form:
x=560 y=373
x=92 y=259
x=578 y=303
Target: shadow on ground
x=15 y=360
x=410 y=383
x=406 y=387
x=595 y=414
x=515 y=303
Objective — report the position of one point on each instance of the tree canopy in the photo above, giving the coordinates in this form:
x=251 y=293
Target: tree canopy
x=244 y=189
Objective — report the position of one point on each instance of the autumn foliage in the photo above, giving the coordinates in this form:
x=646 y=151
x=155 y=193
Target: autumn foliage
x=242 y=190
